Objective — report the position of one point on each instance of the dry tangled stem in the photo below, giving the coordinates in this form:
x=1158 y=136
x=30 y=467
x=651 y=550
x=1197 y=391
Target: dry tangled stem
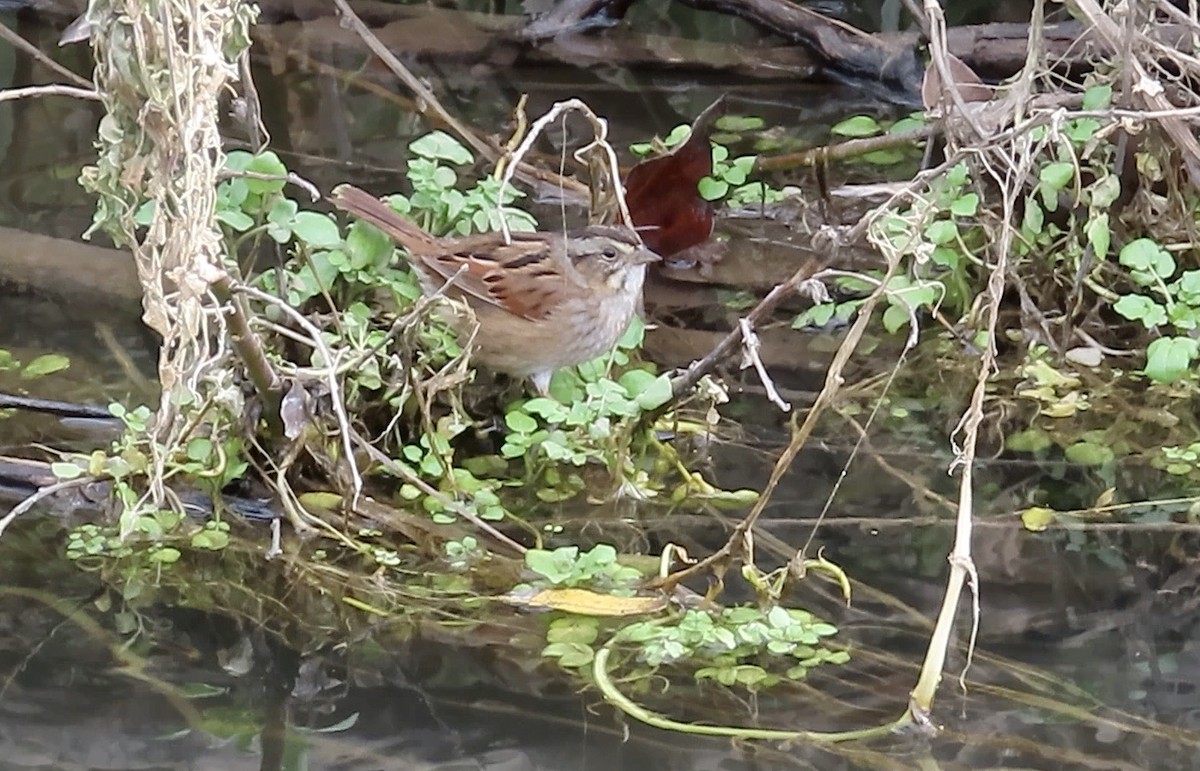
x=161 y=68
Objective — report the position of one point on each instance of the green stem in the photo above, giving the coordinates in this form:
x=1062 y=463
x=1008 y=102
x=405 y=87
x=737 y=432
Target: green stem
x=622 y=702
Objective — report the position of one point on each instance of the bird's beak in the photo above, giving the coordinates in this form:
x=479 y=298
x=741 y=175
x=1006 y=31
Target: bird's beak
x=643 y=256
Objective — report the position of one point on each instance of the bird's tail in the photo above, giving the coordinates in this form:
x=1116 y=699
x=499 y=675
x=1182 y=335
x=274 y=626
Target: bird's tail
x=367 y=207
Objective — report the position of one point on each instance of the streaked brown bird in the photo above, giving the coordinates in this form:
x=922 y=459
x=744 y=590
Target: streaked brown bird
x=543 y=301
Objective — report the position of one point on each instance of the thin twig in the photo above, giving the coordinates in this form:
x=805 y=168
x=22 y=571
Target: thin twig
x=407 y=475
x=6 y=33
x=800 y=434
x=851 y=148
x=335 y=390
x=427 y=101
x=750 y=346
x=1153 y=98
x=425 y=97
x=42 y=494
x=52 y=89
x=599 y=140
x=682 y=384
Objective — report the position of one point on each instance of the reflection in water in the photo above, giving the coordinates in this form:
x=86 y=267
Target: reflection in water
x=105 y=687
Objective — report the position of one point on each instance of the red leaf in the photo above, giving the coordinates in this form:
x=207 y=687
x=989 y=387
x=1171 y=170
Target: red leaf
x=661 y=192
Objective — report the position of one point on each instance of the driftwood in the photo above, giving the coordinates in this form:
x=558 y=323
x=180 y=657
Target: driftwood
x=997 y=51
x=838 y=46
x=582 y=32
x=57 y=267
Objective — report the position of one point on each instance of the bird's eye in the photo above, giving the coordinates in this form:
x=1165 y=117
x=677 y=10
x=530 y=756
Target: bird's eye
x=609 y=254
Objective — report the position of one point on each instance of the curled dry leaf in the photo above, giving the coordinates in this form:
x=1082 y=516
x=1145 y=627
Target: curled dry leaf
x=662 y=193
x=294 y=411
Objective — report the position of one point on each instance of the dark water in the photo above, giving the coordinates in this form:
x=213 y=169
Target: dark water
x=1087 y=655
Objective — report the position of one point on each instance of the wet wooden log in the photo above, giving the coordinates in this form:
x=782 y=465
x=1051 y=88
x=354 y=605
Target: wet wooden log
x=56 y=267
x=565 y=33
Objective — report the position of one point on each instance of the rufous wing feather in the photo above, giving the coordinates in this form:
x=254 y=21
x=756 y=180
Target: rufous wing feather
x=521 y=277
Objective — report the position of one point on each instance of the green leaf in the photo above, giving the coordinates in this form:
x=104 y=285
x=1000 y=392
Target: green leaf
x=1145 y=255
x=750 y=675
x=857 y=126
x=280 y=218
x=740 y=169
x=1187 y=288
x=1031 y=440
x=1038 y=518
x=1104 y=192
x=883 y=157
x=1056 y=176
x=1184 y=316
x=555 y=566
x=570 y=654
x=1137 y=307
x=965 y=205
x=166 y=555
x=231 y=194
x=236 y=219
x=316 y=229
x=64 y=470
x=444 y=177
x=438 y=145
x=1089 y=453
x=1097 y=97
x=45 y=364
x=1081 y=130
x=573 y=629
x=150 y=527
x=238 y=160
x=549 y=409
x=739 y=123
x=214 y=540
x=633 y=335
x=1098 y=235
x=200 y=449
x=368 y=247
x=911 y=123
x=1169 y=358
x=816 y=316
x=648 y=390
x=641 y=148
x=958 y=175
x=895 y=318
x=320 y=272
x=1034 y=218
x=712 y=189
x=946 y=257
x=677 y=135
x=942 y=232
x=520 y=422
x=266 y=164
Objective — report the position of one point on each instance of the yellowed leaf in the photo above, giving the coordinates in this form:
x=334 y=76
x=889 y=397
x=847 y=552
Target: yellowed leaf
x=588 y=603
x=1066 y=407
x=320 y=500
x=1038 y=518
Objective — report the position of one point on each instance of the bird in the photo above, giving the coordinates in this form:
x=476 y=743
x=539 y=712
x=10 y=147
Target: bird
x=542 y=301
